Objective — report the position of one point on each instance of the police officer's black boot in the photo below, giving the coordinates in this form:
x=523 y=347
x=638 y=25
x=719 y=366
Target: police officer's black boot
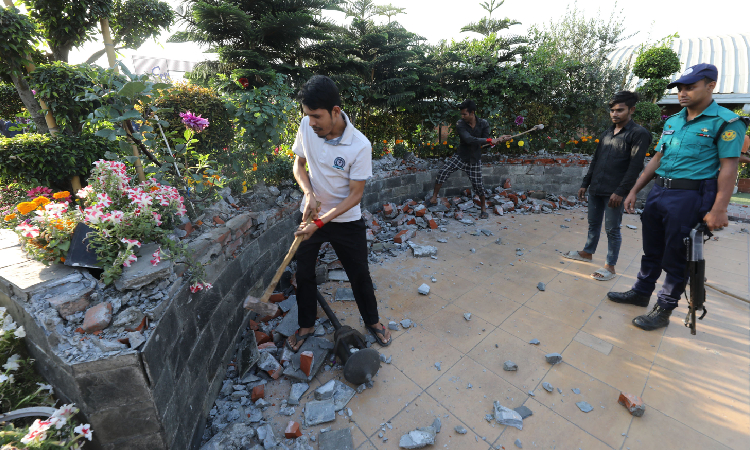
x=657 y=318
x=630 y=297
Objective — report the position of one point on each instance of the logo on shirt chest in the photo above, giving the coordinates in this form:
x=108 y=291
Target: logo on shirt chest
x=339 y=163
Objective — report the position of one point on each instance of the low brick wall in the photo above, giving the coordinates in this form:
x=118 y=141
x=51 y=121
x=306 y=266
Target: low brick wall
x=158 y=397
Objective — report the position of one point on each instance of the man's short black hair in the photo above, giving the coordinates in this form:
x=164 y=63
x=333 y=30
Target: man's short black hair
x=320 y=92
x=468 y=105
x=627 y=97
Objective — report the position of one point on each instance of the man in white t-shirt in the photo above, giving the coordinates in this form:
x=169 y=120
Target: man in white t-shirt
x=339 y=162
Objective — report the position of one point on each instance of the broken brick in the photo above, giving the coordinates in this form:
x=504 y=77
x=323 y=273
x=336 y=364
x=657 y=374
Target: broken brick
x=262 y=338
x=306 y=362
x=188 y=227
x=258 y=393
x=276 y=298
x=412 y=221
x=388 y=209
x=253 y=325
x=433 y=224
x=506 y=184
x=97 y=317
x=218 y=220
x=633 y=403
x=267 y=345
x=292 y=430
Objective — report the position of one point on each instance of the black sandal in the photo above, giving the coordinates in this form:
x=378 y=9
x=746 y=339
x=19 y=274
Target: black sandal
x=297 y=338
x=377 y=333
x=484 y=215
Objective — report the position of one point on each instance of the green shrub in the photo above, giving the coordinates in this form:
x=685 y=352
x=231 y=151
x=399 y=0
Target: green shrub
x=10 y=102
x=647 y=114
x=202 y=101
x=653 y=89
x=656 y=62
x=59 y=84
x=50 y=161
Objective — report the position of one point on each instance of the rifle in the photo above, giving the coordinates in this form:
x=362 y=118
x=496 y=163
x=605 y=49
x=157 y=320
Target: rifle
x=696 y=269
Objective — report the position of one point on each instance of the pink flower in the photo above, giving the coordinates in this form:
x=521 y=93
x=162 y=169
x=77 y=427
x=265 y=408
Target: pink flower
x=130 y=242
x=156 y=257
x=37 y=431
x=519 y=121
x=208 y=286
x=195 y=287
x=28 y=231
x=129 y=260
x=104 y=199
x=61 y=416
x=115 y=217
x=157 y=218
x=84 y=430
x=142 y=200
x=193 y=122
x=93 y=214
x=39 y=191
x=181 y=211
x=85 y=192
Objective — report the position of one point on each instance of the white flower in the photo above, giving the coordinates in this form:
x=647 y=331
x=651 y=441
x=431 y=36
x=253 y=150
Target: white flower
x=61 y=416
x=85 y=430
x=46 y=387
x=12 y=363
x=20 y=332
x=3 y=378
x=37 y=431
x=8 y=324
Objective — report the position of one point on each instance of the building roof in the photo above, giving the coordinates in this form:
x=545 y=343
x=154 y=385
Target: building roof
x=730 y=53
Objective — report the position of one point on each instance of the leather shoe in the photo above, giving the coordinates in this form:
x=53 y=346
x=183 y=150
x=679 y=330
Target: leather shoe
x=657 y=318
x=630 y=297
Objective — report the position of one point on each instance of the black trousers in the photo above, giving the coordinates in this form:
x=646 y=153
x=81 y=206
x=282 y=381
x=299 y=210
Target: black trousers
x=349 y=240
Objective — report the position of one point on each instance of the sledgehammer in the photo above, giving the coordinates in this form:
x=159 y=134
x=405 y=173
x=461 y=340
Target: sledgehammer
x=261 y=305
x=534 y=128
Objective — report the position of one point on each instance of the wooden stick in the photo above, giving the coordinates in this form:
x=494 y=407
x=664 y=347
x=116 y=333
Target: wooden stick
x=287 y=259
x=534 y=128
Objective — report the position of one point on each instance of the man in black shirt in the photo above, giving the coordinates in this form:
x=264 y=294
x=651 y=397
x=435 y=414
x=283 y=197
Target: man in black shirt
x=473 y=132
x=613 y=171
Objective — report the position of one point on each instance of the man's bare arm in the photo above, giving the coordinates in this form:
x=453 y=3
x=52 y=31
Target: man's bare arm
x=303 y=179
x=648 y=174
x=356 y=190
x=717 y=217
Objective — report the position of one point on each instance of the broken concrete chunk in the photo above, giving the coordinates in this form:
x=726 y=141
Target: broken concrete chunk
x=467 y=316
x=534 y=341
x=518 y=443
x=342 y=394
x=437 y=366
x=632 y=227
x=510 y=366
x=325 y=391
x=142 y=272
x=547 y=387
x=406 y=323
x=576 y=390
x=506 y=416
x=317 y=412
x=633 y=403
x=460 y=430
x=344 y=295
x=336 y=440
x=523 y=411
x=298 y=390
x=421 y=437
x=424 y=289
x=584 y=406
x=553 y=358
x=337 y=275
x=437 y=424
x=423 y=251
x=135 y=339
x=541 y=286
x=393 y=326
x=499 y=241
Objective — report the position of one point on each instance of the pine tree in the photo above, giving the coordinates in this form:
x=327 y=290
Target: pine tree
x=257 y=38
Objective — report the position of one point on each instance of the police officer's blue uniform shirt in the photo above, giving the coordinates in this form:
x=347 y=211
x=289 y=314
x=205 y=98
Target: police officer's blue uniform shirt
x=688 y=149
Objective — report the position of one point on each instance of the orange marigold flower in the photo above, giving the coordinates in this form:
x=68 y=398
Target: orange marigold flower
x=62 y=259
x=384 y=141
x=597 y=141
x=59 y=195
x=153 y=188
x=41 y=200
x=10 y=217
x=445 y=142
x=255 y=167
x=26 y=207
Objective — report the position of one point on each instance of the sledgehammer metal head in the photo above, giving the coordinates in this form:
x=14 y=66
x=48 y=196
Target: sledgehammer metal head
x=360 y=363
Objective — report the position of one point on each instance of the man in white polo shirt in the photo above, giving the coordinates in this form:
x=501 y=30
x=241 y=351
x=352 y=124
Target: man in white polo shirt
x=339 y=161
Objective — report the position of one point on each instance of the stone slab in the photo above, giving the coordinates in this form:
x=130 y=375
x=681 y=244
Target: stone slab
x=344 y=295
x=336 y=440
x=290 y=323
x=320 y=348
x=142 y=272
x=12 y=255
x=31 y=275
x=594 y=342
x=317 y=412
x=337 y=275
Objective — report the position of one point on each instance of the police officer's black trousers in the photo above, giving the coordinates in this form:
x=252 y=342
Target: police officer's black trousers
x=349 y=240
x=667 y=219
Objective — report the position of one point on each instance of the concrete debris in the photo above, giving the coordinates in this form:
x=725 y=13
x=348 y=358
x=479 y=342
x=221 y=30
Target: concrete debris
x=437 y=424
x=576 y=390
x=337 y=275
x=336 y=440
x=423 y=251
x=510 y=366
x=235 y=435
x=467 y=316
x=547 y=387
x=553 y=358
x=473 y=250
x=534 y=341
x=317 y=412
x=424 y=289
x=633 y=403
x=393 y=326
x=506 y=416
x=298 y=390
x=518 y=443
x=541 y=286
x=632 y=227
x=407 y=323
x=499 y=241
x=344 y=295
x=531 y=393
x=142 y=272
x=325 y=392
x=433 y=279
x=523 y=411
x=460 y=430
x=421 y=437
x=437 y=366
x=443 y=241
x=584 y=406
x=342 y=394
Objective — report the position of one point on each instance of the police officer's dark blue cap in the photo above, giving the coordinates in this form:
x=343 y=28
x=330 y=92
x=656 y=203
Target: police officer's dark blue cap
x=695 y=74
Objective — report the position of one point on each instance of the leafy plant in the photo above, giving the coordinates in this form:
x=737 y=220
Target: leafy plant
x=10 y=102
x=656 y=62
x=17 y=38
x=50 y=161
x=648 y=115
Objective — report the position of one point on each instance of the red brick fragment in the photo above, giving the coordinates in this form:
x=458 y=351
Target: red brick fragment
x=276 y=298
x=399 y=237
x=266 y=345
x=387 y=209
x=506 y=184
x=258 y=393
x=253 y=325
x=218 y=220
x=188 y=227
x=412 y=221
x=97 y=317
x=433 y=224
x=411 y=203
x=306 y=362
x=633 y=403
x=262 y=338
x=292 y=430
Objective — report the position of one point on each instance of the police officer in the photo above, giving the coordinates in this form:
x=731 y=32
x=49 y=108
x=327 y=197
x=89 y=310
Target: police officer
x=689 y=187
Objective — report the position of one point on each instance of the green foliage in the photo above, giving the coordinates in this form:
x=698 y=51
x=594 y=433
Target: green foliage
x=135 y=21
x=10 y=102
x=487 y=26
x=58 y=84
x=50 y=161
x=648 y=115
x=656 y=62
x=182 y=97
x=17 y=37
x=653 y=89
x=67 y=24
x=274 y=172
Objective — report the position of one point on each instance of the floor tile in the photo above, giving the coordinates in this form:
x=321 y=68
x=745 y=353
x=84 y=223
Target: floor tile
x=488 y=304
x=567 y=310
x=527 y=324
x=620 y=369
x=416 y=352
x=618 y=330
x=449 y=325
x=654 y=429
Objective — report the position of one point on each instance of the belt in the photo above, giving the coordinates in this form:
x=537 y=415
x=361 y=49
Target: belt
x=679 y=183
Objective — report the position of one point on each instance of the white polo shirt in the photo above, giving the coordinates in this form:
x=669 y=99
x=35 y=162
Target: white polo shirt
x=331 y=167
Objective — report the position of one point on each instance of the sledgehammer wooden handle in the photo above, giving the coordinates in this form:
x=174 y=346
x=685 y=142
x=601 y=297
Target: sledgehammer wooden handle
x=292 y=250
